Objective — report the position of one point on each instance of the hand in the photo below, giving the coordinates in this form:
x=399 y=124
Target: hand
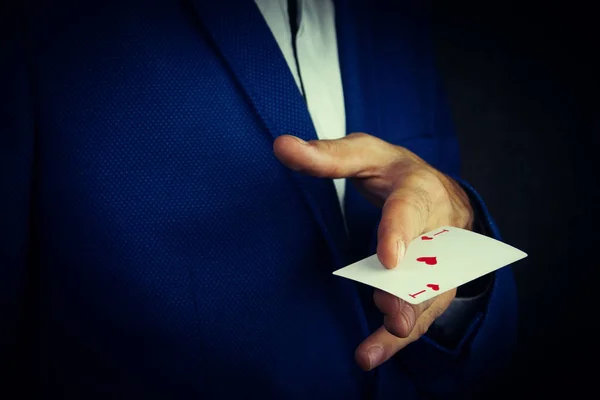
x=415 y=198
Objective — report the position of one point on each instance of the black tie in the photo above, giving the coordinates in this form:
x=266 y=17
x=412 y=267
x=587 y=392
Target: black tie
x=293 y=18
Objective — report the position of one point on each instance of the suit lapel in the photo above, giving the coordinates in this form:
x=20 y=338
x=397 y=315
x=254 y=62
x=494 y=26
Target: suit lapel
x=244 y=41
x=356 y=61
x=354 y=37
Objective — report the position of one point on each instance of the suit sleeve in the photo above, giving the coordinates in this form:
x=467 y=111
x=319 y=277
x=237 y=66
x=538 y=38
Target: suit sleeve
x=479 y=356
x=476 y=358
x=16 y=164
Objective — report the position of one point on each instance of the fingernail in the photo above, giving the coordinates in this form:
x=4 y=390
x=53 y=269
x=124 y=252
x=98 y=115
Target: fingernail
x=401 y=251
x=408 y=314
x=375 y=354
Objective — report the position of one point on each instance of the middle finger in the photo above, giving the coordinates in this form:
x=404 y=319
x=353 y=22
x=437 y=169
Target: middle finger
x=399 y=316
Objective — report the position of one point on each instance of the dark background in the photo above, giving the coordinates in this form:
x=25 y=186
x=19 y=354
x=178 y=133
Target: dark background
x=521 y=82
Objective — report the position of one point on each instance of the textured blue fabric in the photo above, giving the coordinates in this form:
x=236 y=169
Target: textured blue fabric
x=151 y=245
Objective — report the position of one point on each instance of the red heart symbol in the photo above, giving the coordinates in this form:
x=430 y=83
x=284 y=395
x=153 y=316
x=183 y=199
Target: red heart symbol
x=428 y=260
x=426 y=238
x=433 y=286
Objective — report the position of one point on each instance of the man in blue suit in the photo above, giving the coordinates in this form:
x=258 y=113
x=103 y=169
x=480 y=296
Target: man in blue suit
x=177 y=187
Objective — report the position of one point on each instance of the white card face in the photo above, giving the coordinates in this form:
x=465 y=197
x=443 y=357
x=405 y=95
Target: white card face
x=434 y=263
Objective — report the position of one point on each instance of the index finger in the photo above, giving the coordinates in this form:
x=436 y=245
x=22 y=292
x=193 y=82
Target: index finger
x=355 y=155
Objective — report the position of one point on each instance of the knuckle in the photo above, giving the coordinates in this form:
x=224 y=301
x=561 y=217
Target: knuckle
x=419 y=196
x=437 y=311
x=358 y=135
x=392 y=326
x=435 y=308
x=407 y=200
x=421 y=328
x=416 y=178
x=329 y=146
x=424 y=201
x=332 y=169
x=389 y=226
x=418 y=204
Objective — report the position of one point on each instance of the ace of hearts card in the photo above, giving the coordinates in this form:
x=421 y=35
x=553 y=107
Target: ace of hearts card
x=434 y=263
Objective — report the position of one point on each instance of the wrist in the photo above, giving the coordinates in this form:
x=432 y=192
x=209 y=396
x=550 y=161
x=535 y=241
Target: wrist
x=464 y=215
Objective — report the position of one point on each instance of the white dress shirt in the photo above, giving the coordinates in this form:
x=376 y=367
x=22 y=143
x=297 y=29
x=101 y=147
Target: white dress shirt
x=316 y=46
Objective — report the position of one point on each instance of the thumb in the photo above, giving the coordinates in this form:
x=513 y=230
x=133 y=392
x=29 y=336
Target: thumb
x=357 y=155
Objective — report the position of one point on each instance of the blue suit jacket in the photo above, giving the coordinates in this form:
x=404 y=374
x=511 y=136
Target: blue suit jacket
x=151 y=244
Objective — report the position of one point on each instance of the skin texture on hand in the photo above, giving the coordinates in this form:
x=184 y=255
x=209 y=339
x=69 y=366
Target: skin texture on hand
x=414 y=198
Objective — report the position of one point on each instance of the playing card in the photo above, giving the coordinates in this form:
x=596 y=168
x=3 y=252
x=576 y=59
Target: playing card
x=434 y=263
